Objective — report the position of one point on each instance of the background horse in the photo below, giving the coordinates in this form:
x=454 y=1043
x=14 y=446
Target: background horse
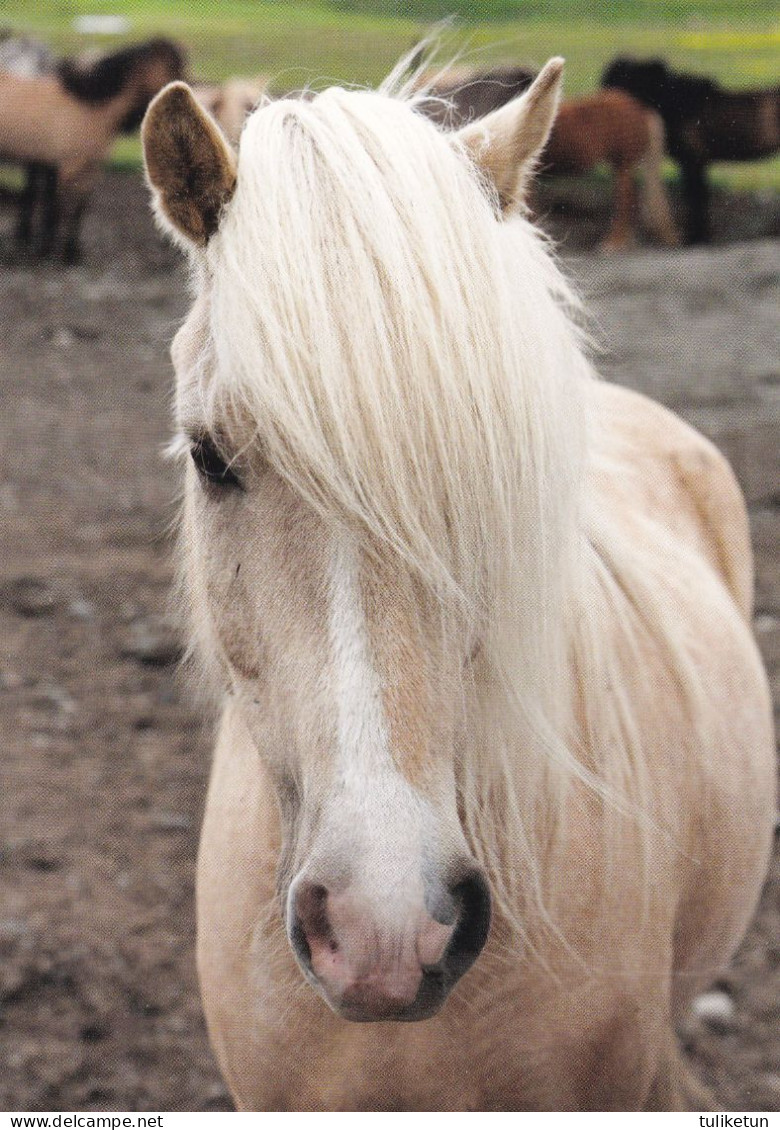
x=22 y=55
x=478 y=624
x=460 y=94
x=231 y=102
x=612 y=127
x=67 y=122
x=703 y=122
x=609 y=127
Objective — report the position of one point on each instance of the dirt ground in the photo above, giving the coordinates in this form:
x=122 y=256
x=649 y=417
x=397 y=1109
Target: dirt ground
x=104 y=758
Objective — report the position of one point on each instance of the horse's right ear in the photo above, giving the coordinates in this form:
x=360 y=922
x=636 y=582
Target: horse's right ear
x=506 y=143
x=189 y=164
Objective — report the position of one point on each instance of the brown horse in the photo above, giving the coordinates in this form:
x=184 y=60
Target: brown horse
x=600 y=128
x=67 y=122
x=612 y=127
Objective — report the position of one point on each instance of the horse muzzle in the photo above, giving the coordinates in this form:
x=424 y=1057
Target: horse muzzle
x=372 y=963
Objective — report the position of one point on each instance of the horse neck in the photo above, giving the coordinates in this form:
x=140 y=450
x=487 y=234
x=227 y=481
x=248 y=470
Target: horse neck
x=113 y=111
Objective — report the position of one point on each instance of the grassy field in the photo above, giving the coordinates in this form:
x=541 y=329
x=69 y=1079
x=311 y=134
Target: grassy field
x=359 y=40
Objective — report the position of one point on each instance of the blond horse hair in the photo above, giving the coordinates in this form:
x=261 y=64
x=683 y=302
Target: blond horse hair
x=409 y=365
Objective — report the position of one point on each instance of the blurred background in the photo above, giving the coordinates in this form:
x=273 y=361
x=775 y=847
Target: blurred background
x=324 y=41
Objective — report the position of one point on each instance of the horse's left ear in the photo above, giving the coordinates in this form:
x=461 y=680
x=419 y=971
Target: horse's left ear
x=189 y=164
x=506 y=143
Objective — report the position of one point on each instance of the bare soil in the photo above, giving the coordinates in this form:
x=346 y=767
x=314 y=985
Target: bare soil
x=104 y=757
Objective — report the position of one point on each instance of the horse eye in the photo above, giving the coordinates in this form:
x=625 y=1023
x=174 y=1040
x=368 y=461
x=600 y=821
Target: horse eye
x=211 y=465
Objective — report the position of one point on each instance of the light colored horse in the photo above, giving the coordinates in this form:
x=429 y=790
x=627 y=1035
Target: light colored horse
x=231 y=102
x=479 y=628
x=67 y=121
x=29 y=58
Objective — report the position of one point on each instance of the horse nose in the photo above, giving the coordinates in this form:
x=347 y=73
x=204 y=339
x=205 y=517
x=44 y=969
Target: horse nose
x=373 y=964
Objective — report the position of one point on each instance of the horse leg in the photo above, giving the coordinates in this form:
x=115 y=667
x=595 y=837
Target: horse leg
x=71 y=247
x=697 y=201
x=621 y=233
x=49 y=181
x=27 y=198
x=656 y=212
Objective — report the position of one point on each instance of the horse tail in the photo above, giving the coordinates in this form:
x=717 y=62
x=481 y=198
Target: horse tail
x=656 y=211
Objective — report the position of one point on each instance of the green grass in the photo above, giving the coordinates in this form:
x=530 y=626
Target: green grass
x=359 y=40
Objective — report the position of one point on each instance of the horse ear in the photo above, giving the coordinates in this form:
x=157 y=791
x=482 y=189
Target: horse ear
x=189 y=164
x=506 y=143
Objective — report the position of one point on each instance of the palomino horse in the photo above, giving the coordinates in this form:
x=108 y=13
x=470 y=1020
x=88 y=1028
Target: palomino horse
x=231 y=102
x=67 y=122
x=612 y=127
x=703 y=122
x=479 y=626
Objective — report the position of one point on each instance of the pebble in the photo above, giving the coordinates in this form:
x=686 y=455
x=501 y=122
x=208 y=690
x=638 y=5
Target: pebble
x=152 y=641
x=57 y=696
x=66 y=336
x=12 y=929
x=160 y=821
x=63 y=338
x=29 y=596
x=81 y=609
x=716 y=1009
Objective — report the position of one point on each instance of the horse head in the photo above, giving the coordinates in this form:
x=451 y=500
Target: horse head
x=151 y=66
x=334 y=545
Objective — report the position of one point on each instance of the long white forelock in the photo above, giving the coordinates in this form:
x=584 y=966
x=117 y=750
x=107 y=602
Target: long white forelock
x=407 y=364
x=355 y=289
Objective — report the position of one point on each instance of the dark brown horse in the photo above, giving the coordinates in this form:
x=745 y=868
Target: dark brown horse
x=66 y=122
x=456 y=96
x=703 y=123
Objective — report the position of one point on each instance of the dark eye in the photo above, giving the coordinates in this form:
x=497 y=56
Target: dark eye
x=211 y=465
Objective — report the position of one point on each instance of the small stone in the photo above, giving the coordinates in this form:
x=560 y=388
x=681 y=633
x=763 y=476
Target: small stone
x=12 y=929
x=152 y=641
x=217 y=1091
x=29 y=596
x=81 y=609
x=63 y=337
x=54 y=695
x=160 y=821
x=716 y=1010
